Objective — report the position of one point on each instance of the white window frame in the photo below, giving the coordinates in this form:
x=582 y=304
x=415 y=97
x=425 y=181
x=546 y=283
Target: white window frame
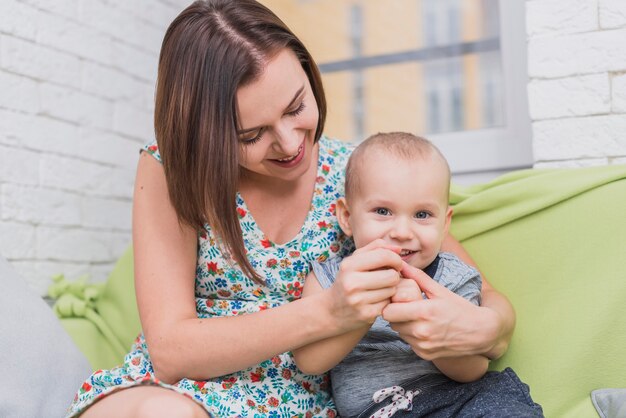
x=480 y=154
x=507 y=147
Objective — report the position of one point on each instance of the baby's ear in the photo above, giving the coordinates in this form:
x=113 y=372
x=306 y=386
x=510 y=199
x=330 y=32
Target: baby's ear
x=343 y=216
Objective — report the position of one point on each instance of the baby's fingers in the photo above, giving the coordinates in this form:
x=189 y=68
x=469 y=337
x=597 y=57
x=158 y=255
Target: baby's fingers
x=407 y=291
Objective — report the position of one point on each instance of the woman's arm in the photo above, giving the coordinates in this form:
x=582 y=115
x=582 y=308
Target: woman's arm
x=504 y=325
x=460 y=369
x=323 y=355
x=181 y=344
x=367 y=289
x=446 y=325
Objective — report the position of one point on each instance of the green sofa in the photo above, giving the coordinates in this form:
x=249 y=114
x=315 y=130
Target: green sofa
x=554 y=241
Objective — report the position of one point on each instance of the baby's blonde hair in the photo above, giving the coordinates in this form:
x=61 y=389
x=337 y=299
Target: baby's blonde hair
x=400 y=144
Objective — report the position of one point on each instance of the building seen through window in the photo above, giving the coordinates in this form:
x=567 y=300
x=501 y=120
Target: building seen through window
x=431 y=67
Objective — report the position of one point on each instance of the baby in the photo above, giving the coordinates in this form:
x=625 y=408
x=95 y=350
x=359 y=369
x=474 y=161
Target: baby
x=397 y=190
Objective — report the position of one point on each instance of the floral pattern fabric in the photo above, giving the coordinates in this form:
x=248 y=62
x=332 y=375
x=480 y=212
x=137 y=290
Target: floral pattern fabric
x=275 y=387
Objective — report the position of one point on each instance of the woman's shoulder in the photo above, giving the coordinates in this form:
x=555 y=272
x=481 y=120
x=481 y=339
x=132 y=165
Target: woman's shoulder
x=333 y=156
x=332 y=160
x=153 y=149
x=335 y=148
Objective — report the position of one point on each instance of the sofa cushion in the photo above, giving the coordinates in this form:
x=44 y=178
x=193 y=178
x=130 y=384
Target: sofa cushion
x=102 y=318
x=610 y=403
x=41 y=367
x=553 y=241
x=559 y=257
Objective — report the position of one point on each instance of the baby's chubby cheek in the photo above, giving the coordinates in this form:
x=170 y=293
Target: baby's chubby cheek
x=407 y=291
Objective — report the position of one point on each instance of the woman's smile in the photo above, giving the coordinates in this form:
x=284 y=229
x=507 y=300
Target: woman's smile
x=291 y=161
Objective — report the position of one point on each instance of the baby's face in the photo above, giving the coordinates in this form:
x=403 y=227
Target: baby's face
x=403 y=202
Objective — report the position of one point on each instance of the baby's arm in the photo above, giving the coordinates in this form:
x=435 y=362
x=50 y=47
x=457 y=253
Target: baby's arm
x=323 y=355
x=463 y=369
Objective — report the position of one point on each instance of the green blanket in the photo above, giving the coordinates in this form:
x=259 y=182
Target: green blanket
x=554 y=241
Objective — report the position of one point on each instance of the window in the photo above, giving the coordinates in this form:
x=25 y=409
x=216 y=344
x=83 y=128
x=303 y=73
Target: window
x=451 y=70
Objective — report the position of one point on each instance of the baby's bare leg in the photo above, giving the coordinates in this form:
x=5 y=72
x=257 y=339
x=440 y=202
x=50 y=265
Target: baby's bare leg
x=145 y=401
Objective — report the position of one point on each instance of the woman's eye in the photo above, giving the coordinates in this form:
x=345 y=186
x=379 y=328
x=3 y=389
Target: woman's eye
x=297 y=111
x=252 y=137
x=382 y=211
x=422 y=215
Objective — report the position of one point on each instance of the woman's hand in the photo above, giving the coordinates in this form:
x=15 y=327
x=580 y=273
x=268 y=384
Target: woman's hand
x=365 y=284
x=445 y=324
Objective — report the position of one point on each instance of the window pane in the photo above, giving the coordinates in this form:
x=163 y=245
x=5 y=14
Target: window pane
x=425 y=66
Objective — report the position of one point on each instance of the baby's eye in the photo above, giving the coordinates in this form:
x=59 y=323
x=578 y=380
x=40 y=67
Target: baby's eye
x=422 y=215
x=382 y=211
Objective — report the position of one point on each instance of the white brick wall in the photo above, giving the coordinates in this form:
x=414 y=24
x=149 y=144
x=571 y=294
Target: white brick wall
x=76 y=100
x=577 y=87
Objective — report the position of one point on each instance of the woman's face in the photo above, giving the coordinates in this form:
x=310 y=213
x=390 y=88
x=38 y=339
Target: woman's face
x=277 y=116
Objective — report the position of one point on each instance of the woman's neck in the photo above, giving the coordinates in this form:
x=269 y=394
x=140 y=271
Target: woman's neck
x=280 y=207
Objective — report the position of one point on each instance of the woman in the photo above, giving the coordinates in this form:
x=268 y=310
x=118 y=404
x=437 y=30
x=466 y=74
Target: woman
x=229 y=209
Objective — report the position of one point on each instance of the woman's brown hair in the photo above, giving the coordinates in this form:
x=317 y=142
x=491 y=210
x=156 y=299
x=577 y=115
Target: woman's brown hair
x=210 y=50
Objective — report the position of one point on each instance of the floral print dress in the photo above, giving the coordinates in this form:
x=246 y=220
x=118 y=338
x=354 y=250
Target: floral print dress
x=275 y=387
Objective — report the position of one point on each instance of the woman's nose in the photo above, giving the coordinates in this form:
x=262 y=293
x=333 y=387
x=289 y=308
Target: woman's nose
x=287 y=140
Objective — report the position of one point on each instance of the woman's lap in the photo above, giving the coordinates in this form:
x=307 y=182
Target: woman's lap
x=145 y=401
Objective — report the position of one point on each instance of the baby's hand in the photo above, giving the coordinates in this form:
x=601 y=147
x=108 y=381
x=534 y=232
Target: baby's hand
x=407 y=291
